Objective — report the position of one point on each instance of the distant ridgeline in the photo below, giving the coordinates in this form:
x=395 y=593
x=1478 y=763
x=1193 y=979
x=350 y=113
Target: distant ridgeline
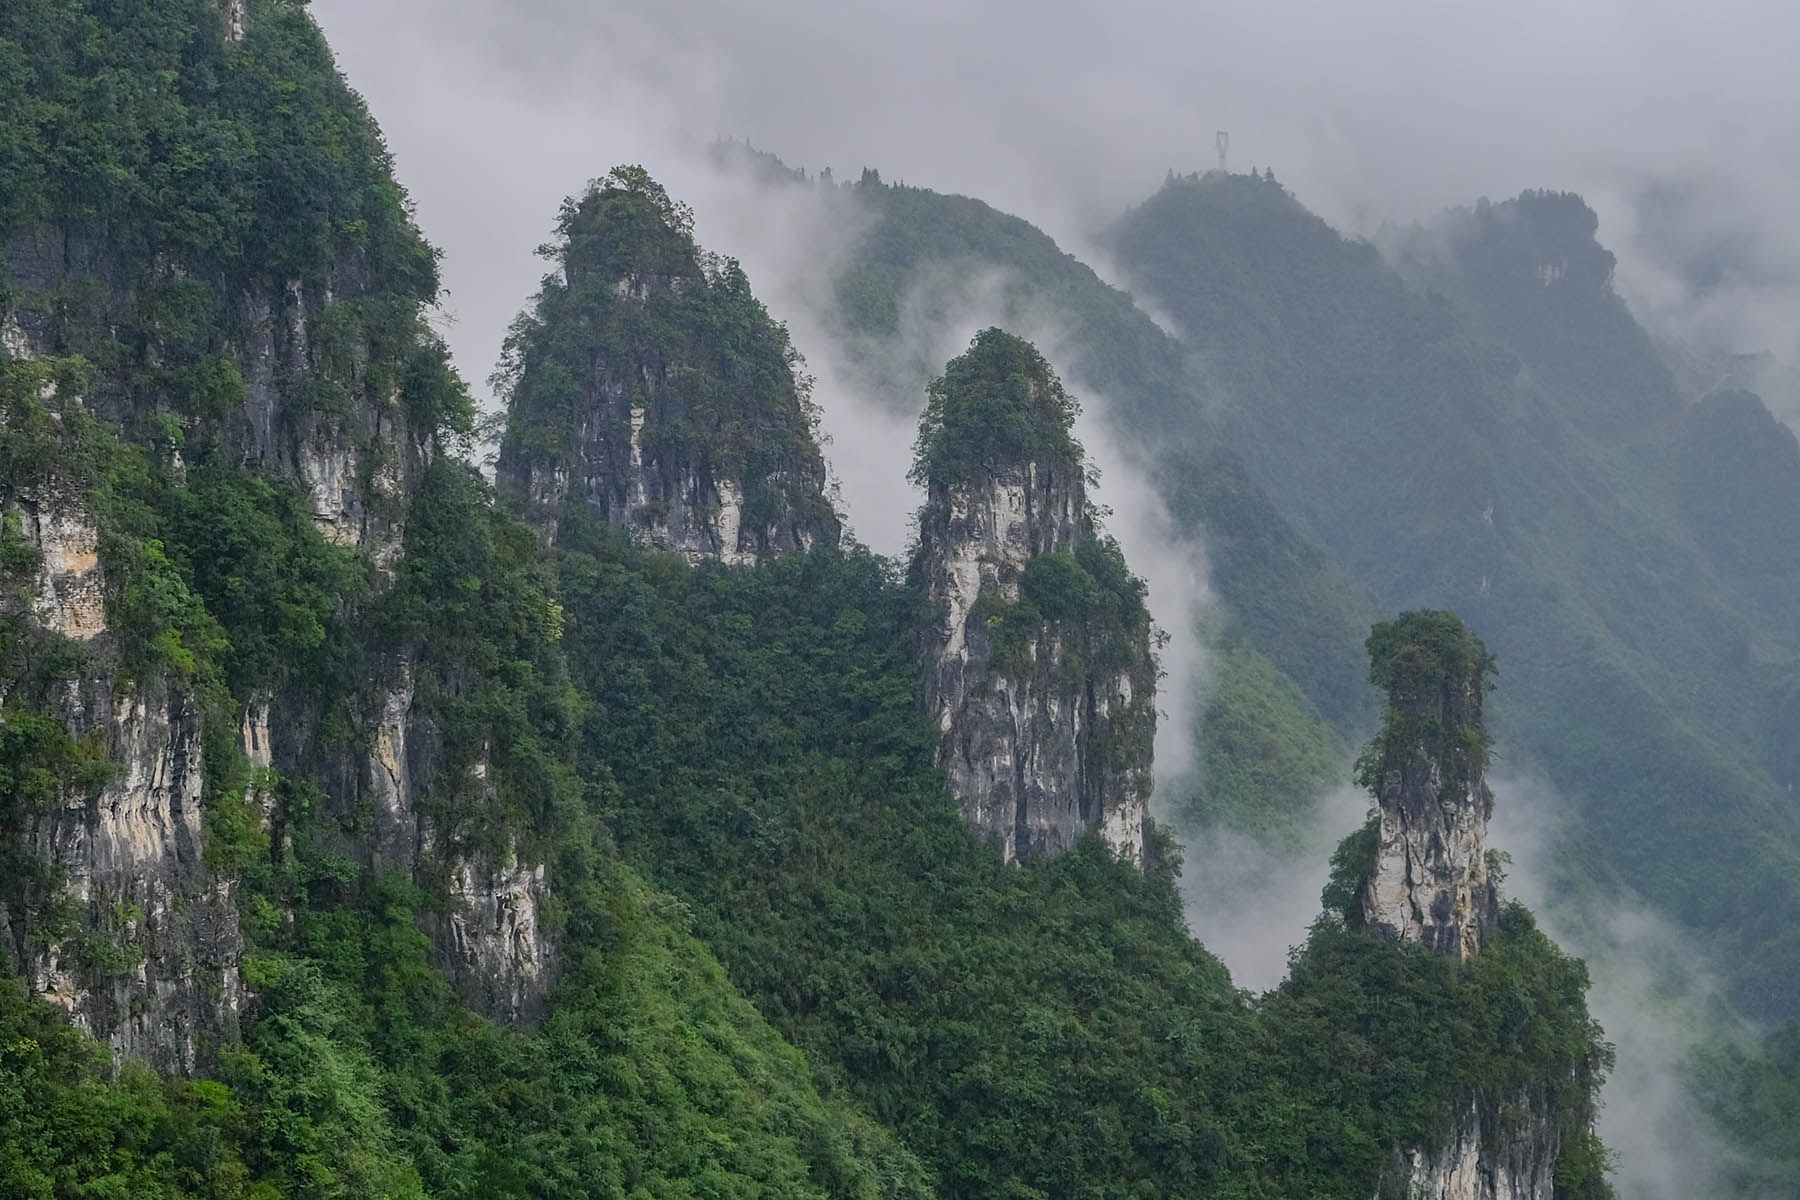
x=1507 y=442
x=367 y=831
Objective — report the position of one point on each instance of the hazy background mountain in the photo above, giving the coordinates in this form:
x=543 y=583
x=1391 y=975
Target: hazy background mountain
x=1667 y=118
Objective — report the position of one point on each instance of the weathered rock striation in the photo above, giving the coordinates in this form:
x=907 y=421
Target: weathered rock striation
x=1038 y=670
x=1507 y=1152
x=107 y=905
x=303 y=403
x=1429 y=881
x=653 y=390
x=150 y=963
x=300 y=359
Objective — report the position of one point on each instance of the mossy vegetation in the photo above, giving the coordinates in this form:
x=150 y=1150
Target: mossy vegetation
x=997 y=407
x=1436 y=675
x=638 y=319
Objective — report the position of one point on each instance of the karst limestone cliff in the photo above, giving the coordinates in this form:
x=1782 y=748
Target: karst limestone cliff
x=287 y=362
x=1497 y=1152
x=1038 y=665
x=1429 y=883
x=651 y=389
x=107 y=906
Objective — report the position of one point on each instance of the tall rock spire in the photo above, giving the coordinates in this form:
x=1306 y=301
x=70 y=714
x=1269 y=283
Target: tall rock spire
x=651 y=386
x=1038 y=666
x=1429 y=882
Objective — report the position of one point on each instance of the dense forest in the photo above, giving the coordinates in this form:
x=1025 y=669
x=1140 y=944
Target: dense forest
x=373 y=827
x=1466 y=417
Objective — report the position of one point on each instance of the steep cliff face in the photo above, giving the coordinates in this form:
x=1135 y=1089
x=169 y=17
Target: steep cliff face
x=497 y=952
x=287 y=375
x=1039 y=670
x=1429 y=880
x=108 y=908
x=217 y=405
x=1504 y=1152
x=650 y=386
x=153 y=966
x=485 y=928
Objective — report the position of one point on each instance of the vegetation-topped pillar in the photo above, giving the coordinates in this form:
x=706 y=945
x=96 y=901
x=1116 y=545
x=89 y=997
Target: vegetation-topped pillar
x=1038 y=665
x=649 y=388
x=1429 y=881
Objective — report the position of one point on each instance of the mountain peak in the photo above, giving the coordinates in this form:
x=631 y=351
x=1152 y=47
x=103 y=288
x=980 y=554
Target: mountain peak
x=1039 y=669
x=649 y=386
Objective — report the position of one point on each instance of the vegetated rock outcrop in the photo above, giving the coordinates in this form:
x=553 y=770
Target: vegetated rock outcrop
x=1425 y=880
x=1504 y=1152
x=107 y=904
x=1038 y=666
x=650 y=386
x=216 y=410
x=1429 y=881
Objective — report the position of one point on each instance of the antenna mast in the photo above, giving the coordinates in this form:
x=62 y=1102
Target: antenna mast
x=1223 y=139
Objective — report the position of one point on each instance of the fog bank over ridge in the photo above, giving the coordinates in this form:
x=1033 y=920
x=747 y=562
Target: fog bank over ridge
x=1667 y=117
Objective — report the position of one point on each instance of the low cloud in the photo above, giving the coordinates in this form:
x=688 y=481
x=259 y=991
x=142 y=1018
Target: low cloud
x=1650 y=991
x=1250 y=903
x=1673 y=118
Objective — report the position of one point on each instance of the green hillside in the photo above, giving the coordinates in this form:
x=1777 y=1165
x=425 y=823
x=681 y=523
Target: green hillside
x=1509 y=446
x=774 y=962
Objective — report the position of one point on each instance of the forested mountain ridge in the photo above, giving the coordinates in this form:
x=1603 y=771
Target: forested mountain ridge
x=1497 y=454
x=1645 y=585
x=397 y=844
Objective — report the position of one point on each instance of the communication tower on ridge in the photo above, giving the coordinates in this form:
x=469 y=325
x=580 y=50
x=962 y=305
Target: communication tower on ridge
x=1223 y=139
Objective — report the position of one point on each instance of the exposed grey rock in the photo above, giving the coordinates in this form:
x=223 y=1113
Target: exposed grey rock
x=151 y=966
x=388 y=776
x=1037 y=757
x=680 y=503
x=496 y=952
x=1507 y=1153
x=69 y=596
x=237 y=20
x=323 y=454
x=1430 y=882
x=356 y=463
x=13 y=338
x=487 y=938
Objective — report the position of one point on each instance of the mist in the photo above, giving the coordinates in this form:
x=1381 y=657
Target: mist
x=1669 y=117
x=1651 y=993
x=1250 y=903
